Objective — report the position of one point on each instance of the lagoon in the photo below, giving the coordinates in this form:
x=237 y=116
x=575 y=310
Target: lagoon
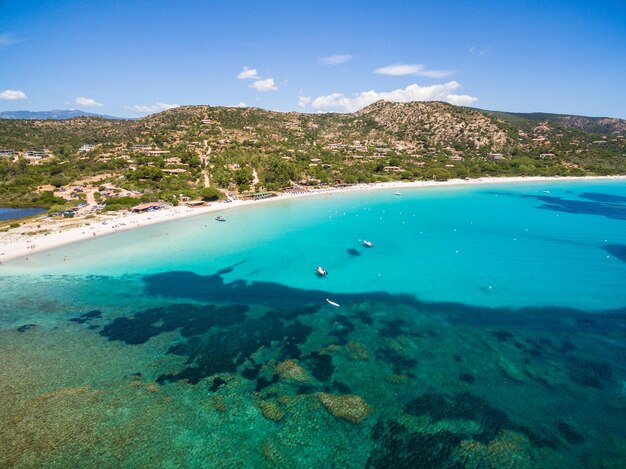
x=16 y=213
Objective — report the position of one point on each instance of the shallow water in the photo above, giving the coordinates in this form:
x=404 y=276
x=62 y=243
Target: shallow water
x=485 y=328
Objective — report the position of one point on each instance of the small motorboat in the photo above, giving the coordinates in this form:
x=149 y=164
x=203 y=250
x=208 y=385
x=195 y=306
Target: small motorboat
x=367 y=244
x=220 y=218
x=321 y=272
x=332 y=303
x=398 y=193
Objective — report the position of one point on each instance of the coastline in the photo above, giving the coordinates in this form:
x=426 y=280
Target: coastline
x=18 y=243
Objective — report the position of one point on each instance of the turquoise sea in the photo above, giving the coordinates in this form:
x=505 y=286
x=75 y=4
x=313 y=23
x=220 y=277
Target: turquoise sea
x=485 y=328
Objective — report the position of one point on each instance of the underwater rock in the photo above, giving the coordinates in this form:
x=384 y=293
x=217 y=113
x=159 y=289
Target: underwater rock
x=349 y=407
x=153 y=387
x=86 y=317
x=291 y=370
x=25 y=327
x=272 y=454
x=271 y=411
x=357 y=351
x=396 y=379
x=508 y=450
x=219 y=404
x=284 y=400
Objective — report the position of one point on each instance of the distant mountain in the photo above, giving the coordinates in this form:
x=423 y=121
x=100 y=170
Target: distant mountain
x=598 y=125
x=58 y=114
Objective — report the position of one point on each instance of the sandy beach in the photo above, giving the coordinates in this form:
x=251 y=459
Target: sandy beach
x=42 y=233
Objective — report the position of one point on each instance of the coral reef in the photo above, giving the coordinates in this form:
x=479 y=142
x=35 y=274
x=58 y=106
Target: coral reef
x=349 y=407
x=271 y=411
x=292 y=371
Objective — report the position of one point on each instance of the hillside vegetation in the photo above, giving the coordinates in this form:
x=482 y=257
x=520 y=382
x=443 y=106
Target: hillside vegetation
x=247 y=150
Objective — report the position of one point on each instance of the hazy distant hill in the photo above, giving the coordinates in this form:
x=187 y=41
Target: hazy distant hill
x=600 y=125
x=58 y=114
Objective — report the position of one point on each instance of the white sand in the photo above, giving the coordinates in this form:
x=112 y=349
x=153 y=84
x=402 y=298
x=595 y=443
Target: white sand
x=16 y=243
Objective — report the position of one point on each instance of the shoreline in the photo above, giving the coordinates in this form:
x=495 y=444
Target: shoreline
x=16 y=244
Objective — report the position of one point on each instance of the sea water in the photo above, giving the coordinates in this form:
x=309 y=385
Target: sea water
x=485 y=327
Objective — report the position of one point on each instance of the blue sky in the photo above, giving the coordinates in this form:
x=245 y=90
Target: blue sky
x=129 y=58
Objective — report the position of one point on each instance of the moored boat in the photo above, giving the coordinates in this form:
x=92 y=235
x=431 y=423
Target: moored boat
x=321 y=272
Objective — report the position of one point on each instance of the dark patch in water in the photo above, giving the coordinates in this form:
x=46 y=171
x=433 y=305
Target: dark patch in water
x=503 y=336
x=25 y=327
x=466 y=406
x=353 y=252
x=217 y=382
x=590 y=373
x=396 y=447
x=190 y=319
x=602 y=197
x=320 y=364
x=83 y=318
x=251 y=373
x=400 y=363
x=341 y=388
x=364 y=317
x=263 y=383
x=224 y=351
x=342 y=327
x=613 y=209
x=617 y=250
x=570 y=435
x=393 y=328
x=467 y=377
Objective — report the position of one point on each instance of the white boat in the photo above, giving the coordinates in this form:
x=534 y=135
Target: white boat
x=367 y=244
x=321 y=272
x=220 y=218
x=398 y=193
x=332 y=303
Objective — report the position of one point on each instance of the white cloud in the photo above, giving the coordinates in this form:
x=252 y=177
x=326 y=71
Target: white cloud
x=157 y=107
x=412 y=69
x=87 y=102
x=264 y=85
x=441 y=92
x=303 y=101
x=241 y=104
x=12 y=95
x=7 y=39
x=248 y=73
x=335 y=59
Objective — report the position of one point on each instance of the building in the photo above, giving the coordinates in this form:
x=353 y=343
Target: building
x=87 y=147
x=140 y=148
x=7 y=153
x=38 y=154
x=496 y=156
x=156 y=152
x=394 y=169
